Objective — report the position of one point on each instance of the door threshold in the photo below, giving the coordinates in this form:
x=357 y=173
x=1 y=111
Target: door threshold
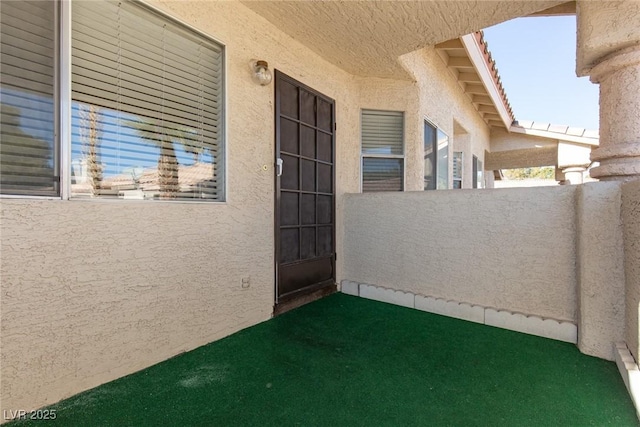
x=302 y=298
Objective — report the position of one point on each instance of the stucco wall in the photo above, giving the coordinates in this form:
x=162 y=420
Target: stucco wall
x=501 y=140
x=442 y=102
x=522 y=158
x=395 y=95
x=508 y=248
x=600 y=268
x=631 y=222
x=93 y=290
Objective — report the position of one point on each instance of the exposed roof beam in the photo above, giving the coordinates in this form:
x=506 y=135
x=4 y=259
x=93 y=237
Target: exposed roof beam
x=476 y=54
x=459 y=61
x=482 y=99
x=475 y=89
x=487 y=109
x=523 y=158
x=450 y=44
x=492 y=117
x=469 y=77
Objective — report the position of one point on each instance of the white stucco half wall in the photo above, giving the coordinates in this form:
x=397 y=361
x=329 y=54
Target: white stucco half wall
x=631 y=221
x=509 y=249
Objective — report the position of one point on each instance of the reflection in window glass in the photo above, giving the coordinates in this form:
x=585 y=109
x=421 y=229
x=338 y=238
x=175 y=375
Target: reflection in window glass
x=430 y=148
x=443 y=161
x=27 y=124
x=480 y=175
x=436 y=158
x=380 y=174
x=146 y=112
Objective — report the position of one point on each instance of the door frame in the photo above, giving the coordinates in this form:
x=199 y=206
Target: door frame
x=304 y=295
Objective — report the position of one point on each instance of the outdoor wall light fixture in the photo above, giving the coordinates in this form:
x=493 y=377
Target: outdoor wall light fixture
x=261 y=73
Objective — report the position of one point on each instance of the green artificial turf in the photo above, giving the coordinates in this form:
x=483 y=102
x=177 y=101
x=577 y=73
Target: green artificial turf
x=347 y=361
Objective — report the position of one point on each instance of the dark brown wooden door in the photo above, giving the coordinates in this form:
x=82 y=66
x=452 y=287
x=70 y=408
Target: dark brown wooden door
x=305 y=190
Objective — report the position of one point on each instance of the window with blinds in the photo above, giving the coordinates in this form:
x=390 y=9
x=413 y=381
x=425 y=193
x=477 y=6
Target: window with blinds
x=457 y=169
x=382 y=150
x=28 y=157
x=147 y=106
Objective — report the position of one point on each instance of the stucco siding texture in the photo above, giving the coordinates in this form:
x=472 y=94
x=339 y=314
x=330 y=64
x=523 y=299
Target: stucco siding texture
x=604 y=27
x=443 y=103
x=501 y=140
x=526 y=158
x=94 y=290
x=631 y=221
x=600 y=268
x=509 y=248
x=365 y=38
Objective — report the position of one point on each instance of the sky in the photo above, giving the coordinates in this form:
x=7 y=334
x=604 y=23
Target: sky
x=536 y=59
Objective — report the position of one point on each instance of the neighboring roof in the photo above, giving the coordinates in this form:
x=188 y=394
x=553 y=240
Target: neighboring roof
x=561 y=132
x=469 y=60
x=189 y=177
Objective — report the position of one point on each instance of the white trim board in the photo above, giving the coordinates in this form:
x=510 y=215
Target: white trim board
x=528 y=324
x=630 y=373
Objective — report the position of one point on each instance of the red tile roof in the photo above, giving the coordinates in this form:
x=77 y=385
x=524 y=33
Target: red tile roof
x=491 y=63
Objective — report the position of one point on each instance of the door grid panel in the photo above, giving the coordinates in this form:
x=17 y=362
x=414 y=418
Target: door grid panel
x=305 y=199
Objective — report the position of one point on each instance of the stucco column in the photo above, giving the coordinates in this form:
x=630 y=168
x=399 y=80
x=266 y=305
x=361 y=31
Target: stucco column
x=573 y=175
x=619 y=153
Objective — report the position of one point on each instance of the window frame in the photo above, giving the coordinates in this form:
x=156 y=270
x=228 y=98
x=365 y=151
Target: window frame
x=58 y=151
x=477 y=170
x=461 y=164
x=436 y=129
x=385 y=156
x=63 y=104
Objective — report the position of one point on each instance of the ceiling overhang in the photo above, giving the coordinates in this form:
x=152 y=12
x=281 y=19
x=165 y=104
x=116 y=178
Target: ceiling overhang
x=366 y=38
x=565 y=9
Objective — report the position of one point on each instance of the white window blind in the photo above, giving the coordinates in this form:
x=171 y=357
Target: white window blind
x=380 y=174
x=382 y=132
x=457 y=169
x=147 y=106
x=382 y=150
x=27 y=92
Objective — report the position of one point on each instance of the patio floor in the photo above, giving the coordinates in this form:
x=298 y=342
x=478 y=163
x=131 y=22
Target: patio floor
x=349 y=361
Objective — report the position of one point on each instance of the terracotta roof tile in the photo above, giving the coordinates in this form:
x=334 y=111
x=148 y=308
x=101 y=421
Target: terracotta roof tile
x=491 y=63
